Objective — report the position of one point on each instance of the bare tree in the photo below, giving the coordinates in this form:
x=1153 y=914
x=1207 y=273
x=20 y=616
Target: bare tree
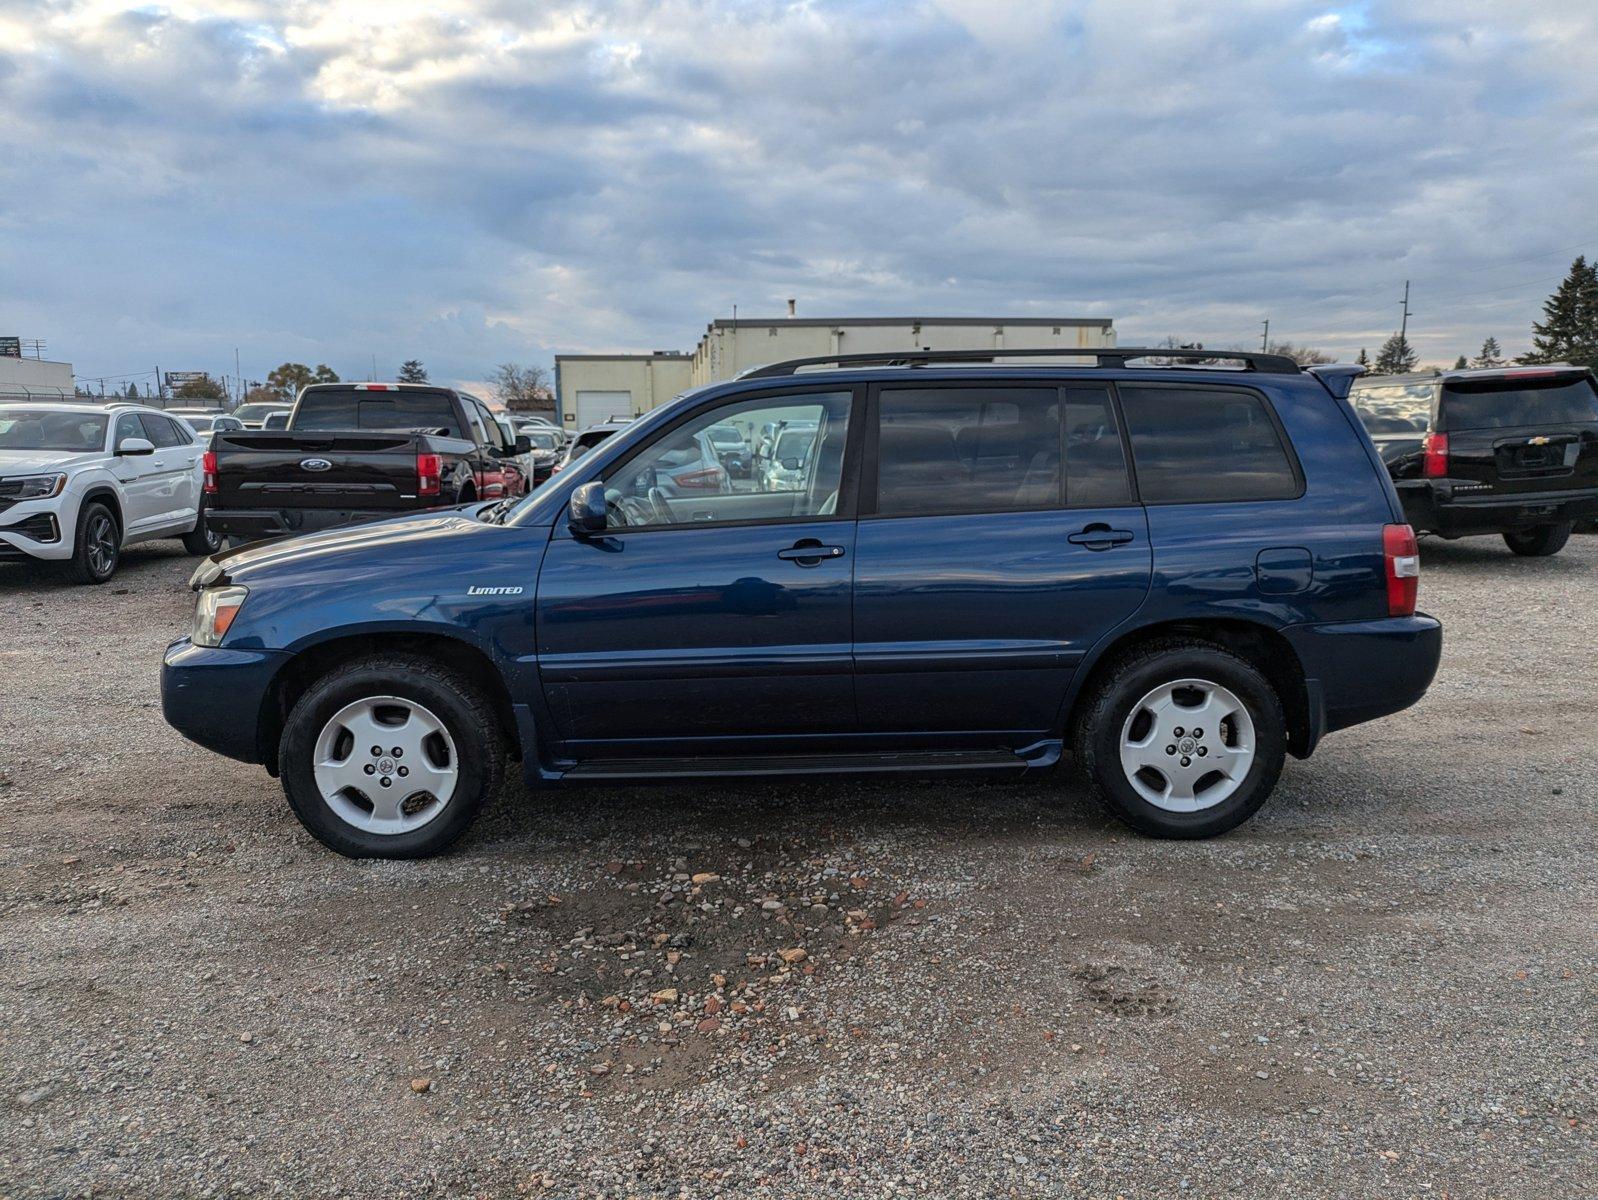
x=522 y=389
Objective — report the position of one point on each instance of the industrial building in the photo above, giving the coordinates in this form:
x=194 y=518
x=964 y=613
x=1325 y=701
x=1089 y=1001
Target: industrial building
x=593 y=387
x=34 y=379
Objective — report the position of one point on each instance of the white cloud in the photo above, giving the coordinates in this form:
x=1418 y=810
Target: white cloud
x=472 y=181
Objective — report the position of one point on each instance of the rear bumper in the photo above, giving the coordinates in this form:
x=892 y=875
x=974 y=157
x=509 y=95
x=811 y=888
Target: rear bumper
x=253 y=524
x=1361 y=670
x=213 y=696
x=1440 y=508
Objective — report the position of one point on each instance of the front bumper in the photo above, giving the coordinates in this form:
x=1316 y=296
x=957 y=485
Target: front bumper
x=254 y=524
x=1439 y=508
x=34 y=529
x=1360 y=670
x=214 y=696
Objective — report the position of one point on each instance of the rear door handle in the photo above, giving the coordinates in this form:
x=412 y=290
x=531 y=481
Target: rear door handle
x=809 y=553
x=1100 y=537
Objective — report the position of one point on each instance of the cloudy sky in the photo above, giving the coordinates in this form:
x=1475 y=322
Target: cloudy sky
x=471 y=181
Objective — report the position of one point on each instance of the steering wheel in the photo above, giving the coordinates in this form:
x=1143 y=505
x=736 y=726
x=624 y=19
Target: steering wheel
x=663 y=513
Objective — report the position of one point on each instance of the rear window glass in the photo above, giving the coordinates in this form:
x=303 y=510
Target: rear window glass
x=1394 y=407
x=1502 y=404
x=337 y=408
x=1205 y=444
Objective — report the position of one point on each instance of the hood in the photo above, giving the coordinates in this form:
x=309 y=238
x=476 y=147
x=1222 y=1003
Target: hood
x=401 y=541
x=37 y=462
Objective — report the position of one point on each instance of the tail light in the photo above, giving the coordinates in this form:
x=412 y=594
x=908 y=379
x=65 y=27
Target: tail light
x=1402 y=555
x=1435 y=447
x=428 y=468
x=708 y=478
x=208 y=466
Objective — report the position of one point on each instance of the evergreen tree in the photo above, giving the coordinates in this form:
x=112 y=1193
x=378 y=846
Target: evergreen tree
x=1459 y=363
x=1490 y=356
x=1396 y=357
x=412 y=371
x=1364 y=359
x=1568 y=331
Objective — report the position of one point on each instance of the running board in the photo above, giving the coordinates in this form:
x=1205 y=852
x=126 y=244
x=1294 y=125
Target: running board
x=1043 y=755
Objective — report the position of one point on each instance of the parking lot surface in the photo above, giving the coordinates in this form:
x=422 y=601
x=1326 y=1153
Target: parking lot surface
x=1384 y=984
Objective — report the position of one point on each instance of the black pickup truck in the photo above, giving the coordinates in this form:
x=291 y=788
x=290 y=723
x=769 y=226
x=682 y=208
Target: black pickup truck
x=1505 y=450
x=358 y=452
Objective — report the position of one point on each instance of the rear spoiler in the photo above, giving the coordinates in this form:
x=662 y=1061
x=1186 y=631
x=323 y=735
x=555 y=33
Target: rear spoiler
x=1338 y=378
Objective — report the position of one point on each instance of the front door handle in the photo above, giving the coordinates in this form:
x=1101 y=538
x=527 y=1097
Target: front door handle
x=1100 y=537
x=808 y=552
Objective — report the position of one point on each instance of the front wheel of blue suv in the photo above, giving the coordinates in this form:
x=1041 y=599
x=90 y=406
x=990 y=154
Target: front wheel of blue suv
x=1182 y=739
x=391 y=756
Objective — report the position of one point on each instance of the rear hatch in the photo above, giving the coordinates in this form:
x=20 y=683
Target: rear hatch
x=1521 y=432
x=355 y=471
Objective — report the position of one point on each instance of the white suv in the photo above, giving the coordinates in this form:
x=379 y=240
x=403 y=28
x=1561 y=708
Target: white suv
x=79 y=482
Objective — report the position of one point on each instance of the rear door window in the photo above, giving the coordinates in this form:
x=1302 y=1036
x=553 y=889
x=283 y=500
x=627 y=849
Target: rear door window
x=1095 y=459
x=968 y=450
x=1202 y=444
x=1507 y=403
x=162 y=431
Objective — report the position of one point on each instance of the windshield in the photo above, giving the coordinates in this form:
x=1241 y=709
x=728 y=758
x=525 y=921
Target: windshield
x=795 y=443
x=1506 y=403
x=346 y=408
x=723 y=436
x=542 y=441
x=198 y=424
x=29 y=429
x=256 y=412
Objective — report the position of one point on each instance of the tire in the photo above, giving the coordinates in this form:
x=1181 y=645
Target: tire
x=96 y=545
x=1171 y=674
x=1540 y=540
x=359 y=697
x=200 y=540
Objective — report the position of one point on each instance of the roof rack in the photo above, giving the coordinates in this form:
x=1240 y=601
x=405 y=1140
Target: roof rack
x=1115 y=356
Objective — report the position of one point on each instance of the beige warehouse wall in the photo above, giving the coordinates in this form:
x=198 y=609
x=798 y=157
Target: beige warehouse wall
x=725 y=350
x=650 y=381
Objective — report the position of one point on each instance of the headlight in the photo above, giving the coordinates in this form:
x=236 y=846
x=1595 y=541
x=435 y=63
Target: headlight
x=214 y=614
x=37 y=487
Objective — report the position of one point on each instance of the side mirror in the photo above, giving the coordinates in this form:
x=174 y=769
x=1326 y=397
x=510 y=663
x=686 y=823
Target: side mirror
x=133 y=445
x=791 y=464
x=587 y=510
x=524 y=444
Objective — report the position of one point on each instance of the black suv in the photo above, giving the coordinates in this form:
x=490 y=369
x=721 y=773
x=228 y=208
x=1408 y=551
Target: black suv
x=1511 y=450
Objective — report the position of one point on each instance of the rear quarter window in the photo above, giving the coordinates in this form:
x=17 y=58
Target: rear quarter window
x=1203 y=444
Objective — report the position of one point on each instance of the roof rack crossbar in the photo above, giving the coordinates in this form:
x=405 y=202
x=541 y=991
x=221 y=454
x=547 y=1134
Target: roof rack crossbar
x=1113 y=356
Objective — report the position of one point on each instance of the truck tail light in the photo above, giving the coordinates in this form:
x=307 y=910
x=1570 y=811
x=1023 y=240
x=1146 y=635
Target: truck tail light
x=708 y=479
x=428 y=469
x=208 y=466
x=1402 y=555
x=1435 y=448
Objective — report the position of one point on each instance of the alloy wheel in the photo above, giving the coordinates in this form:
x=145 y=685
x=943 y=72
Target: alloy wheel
x=1187 y=745
x=386 y=765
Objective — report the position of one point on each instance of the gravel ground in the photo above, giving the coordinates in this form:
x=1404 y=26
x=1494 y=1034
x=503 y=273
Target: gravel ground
x=1383 y=985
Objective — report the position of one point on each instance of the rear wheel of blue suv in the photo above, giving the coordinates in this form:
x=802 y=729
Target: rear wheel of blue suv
x=1182 y=738
x=1182 y=572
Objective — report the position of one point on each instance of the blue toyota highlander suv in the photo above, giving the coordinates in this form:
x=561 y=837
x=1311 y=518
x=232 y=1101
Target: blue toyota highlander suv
x=1179 y=570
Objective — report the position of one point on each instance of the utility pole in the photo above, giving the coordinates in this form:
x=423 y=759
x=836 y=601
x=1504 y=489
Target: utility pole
x=1265 y=338
x=1403 y=328
x=160 y=392
x=239 y=375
